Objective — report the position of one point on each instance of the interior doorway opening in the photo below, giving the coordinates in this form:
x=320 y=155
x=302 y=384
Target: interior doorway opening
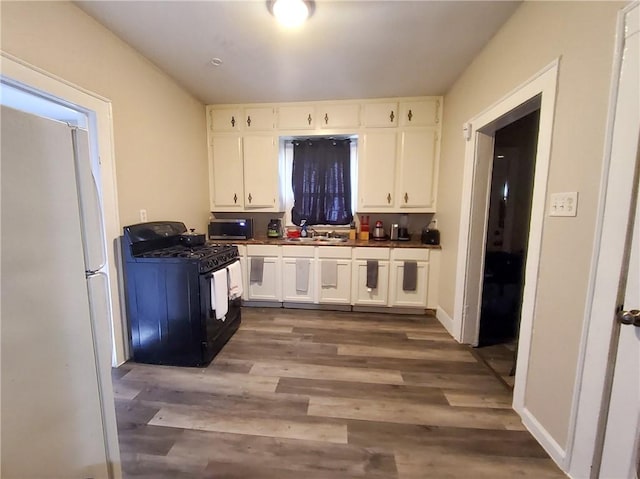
x=508 y=230
x=507 y=234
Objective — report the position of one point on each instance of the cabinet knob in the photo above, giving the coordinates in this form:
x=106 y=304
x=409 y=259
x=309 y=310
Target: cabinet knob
x=409 y=115
x=235 y=198
x=249 y=120
x=309 y=119
x=389 y=198
x=326 y=119
x=233 y=121
x=249 y=197
x=406 y=197
x=391 y=116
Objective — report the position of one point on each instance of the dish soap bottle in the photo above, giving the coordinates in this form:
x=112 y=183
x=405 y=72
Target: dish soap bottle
x=303 y=231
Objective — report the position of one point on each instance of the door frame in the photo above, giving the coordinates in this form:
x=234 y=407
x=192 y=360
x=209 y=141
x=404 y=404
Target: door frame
x=537 y=92
x=596 y=358
x=98 y=108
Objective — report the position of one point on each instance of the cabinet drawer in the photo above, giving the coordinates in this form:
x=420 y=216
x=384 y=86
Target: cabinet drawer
x=298 y=251
x=371 y=253
x=380 y=114
x=410 y=254
x=334 y=252
x=262 y=250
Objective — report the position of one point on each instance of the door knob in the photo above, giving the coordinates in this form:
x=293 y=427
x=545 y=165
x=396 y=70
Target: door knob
x=629 y=317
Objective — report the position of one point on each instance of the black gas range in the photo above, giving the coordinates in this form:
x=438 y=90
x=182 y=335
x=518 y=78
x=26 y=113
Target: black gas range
x=169 y=295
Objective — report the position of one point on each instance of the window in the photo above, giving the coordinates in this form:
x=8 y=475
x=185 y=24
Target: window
x=321 y=176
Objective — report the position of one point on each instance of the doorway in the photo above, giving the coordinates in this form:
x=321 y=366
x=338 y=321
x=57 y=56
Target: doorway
x=508 y=233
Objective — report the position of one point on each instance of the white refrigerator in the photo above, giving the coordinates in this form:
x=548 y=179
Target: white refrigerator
x=56 y=398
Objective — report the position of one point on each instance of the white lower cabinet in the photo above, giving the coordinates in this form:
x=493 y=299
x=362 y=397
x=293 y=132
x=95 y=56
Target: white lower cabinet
x=264 y=261
x=363 y=295
x=298 y=274
x=333 y=275
x=403 y=293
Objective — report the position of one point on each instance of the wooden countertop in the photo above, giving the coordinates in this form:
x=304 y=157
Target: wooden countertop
x=350 y=243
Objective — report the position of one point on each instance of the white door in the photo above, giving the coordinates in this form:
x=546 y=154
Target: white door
x=226 y=173
x=377 y=171
x=261 y=173
x=622 y=436
x=417 y=168
x=621 y=440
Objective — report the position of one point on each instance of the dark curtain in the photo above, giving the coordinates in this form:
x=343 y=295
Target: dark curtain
x=322 y=182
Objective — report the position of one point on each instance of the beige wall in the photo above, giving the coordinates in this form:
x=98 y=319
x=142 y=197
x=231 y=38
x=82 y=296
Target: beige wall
x=582 y=34
x=159 y=128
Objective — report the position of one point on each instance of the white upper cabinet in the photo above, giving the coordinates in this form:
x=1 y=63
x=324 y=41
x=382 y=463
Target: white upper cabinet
x=417 y=169
x=380 y=115
x=256 y=119
x=299 y=117
x=398 y=151
x=226 y=173
x=420 y=112
x=225 y=119
x=339 y=115
x=261 y=173
x=377 y=171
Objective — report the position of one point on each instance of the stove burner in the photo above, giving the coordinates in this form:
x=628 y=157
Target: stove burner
x=207 y=256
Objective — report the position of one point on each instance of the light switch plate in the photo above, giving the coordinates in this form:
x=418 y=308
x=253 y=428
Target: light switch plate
x=564 y=204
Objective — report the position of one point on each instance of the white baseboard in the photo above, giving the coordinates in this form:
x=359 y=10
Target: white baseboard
x=446 y=321
x=548 y=443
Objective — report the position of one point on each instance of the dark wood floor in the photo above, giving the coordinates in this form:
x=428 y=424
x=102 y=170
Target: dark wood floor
x=315 y=395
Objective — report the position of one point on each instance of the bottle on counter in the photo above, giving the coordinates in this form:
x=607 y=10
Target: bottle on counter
x=352 y=230
x=303 y=231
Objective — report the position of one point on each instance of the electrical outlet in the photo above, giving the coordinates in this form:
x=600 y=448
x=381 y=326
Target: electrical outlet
x=143 y=216
x=564 y=204
x=434 y=223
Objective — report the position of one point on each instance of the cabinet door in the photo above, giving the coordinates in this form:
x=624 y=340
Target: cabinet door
x=377 y=171
x=417 y=165
x=379 y=115
x=261 y=175
x=296 y=117
x=290 y=281
x=361 y=294
x=339 y=116
x=225 y=173
x=258 y=119
x=341 y=292
x=269 y=288
x=420 y=112
x=400 y=297
x=225 y=119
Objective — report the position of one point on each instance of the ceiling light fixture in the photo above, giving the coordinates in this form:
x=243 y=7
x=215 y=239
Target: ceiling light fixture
x=291 y=13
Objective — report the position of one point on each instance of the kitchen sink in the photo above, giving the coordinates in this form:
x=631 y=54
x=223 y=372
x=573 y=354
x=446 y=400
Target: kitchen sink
x=317 y=239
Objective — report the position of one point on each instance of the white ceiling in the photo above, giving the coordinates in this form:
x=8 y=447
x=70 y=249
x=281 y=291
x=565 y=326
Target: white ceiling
x=346 y=50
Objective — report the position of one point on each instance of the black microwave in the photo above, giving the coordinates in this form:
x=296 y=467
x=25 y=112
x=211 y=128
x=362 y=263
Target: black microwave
x=231 y=229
